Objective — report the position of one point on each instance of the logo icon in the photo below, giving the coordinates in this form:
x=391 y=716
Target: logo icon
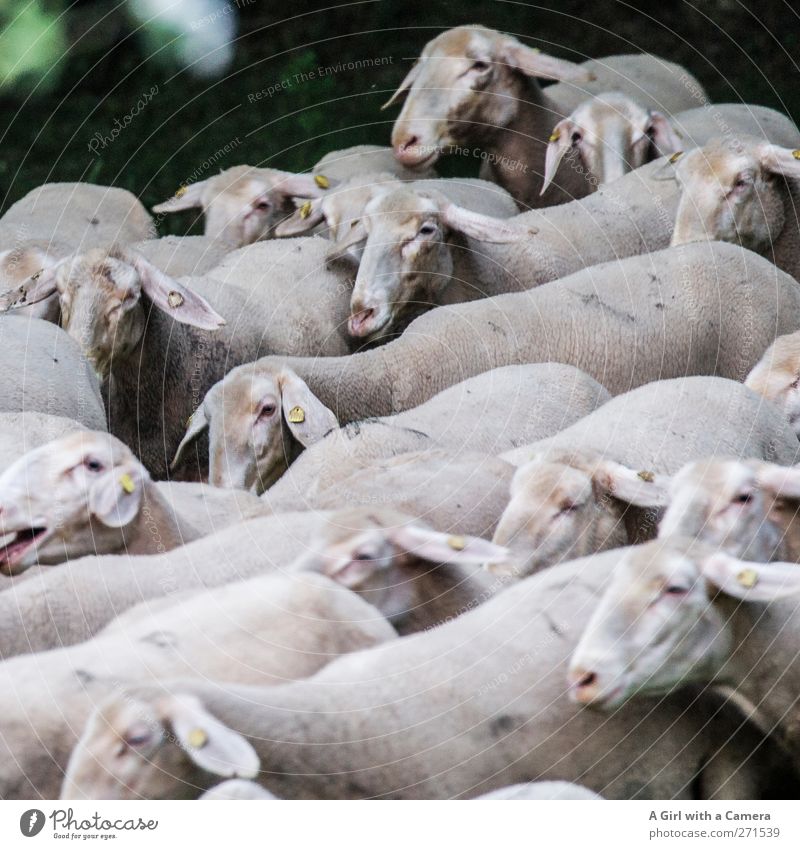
x=31 y=822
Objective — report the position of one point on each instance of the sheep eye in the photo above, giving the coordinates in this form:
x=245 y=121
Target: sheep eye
x=267 y=411
x=93 y=465
x=427 y=230
x=363 y=555
x=566 y=509
x=480 y=65
x=262 y=205
x=576 y=137
x=743 y=498
x=675 y=589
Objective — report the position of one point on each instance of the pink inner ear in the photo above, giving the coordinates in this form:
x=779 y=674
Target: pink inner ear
x=352 y=573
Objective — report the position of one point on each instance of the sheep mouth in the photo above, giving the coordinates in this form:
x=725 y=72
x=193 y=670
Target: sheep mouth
x=12 y=552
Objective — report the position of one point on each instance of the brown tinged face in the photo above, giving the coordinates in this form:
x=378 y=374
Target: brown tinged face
x=405 y=243
x=733 y=191
x=465 y=85
x=257 y=421
x=100 y=295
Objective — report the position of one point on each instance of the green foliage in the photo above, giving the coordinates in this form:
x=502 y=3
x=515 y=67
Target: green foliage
x=32 y=44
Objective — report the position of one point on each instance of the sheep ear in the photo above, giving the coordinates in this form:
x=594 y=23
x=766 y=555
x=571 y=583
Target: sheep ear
x=39 y=287
x=780 y=160
x=308 y=418
x=534 y=63
x=750 y=581
x=116 y=497
x=482 y=228
x=196 y=425
x=303 y=219
x=348 y=247
x=211 y=745
x=404 y=86
x=301 y=185
x=187 y=197
x=175 y=299
x=663 y=134
x=437 y=547
x=641 y=489
x=348 y=572
x=560 y=142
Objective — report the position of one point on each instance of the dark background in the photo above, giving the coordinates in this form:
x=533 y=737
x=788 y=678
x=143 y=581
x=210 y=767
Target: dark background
x=740 y=51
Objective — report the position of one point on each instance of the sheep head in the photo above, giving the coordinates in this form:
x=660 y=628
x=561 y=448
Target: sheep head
x=100 y=295
x=154 y=745
x=563 y=507
x=69 y=498
x=610 y=134
x=464 y=86
x=256 y=418
x=244 y=205
x=731 y=192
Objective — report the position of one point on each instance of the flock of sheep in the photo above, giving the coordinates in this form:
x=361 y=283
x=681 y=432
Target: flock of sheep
x=469 y=488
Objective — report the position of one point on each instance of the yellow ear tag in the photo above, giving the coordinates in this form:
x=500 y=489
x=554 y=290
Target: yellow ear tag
x=305 y=209
x=175 y=299
x=181 y=191
x=297 y=415
x=127 y=483
x=322 y=181
x=554 y=137
x=748 y=578
x=197 y=738
x=796 y=154
x=457 y=543
x=675 y=157
x=646 y=476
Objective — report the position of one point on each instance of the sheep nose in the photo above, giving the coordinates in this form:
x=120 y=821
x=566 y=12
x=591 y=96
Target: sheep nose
x=406 y=149
x=360 y=321
x=584 y=685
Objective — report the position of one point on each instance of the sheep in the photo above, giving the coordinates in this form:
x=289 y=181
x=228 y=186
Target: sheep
x=490 y=413
x=541 y=790
x=416 y=576
x=45 y=372
x=611 y=134
x=61 y=606
x=75 y=217
x=342 y=208
x=235 y=789
x=245 y=204
x=473 y=86
x=600 y=483
x=417 y=248
x=360 y=159
x=742 y=191
x=745 y=507
x=776 y=376
x=624 y=323
x=182 y=256
x=467 y=708
x=267 y=630
x=24 y=431
x=159 y=344
x=676 y=614
x=86 y=493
